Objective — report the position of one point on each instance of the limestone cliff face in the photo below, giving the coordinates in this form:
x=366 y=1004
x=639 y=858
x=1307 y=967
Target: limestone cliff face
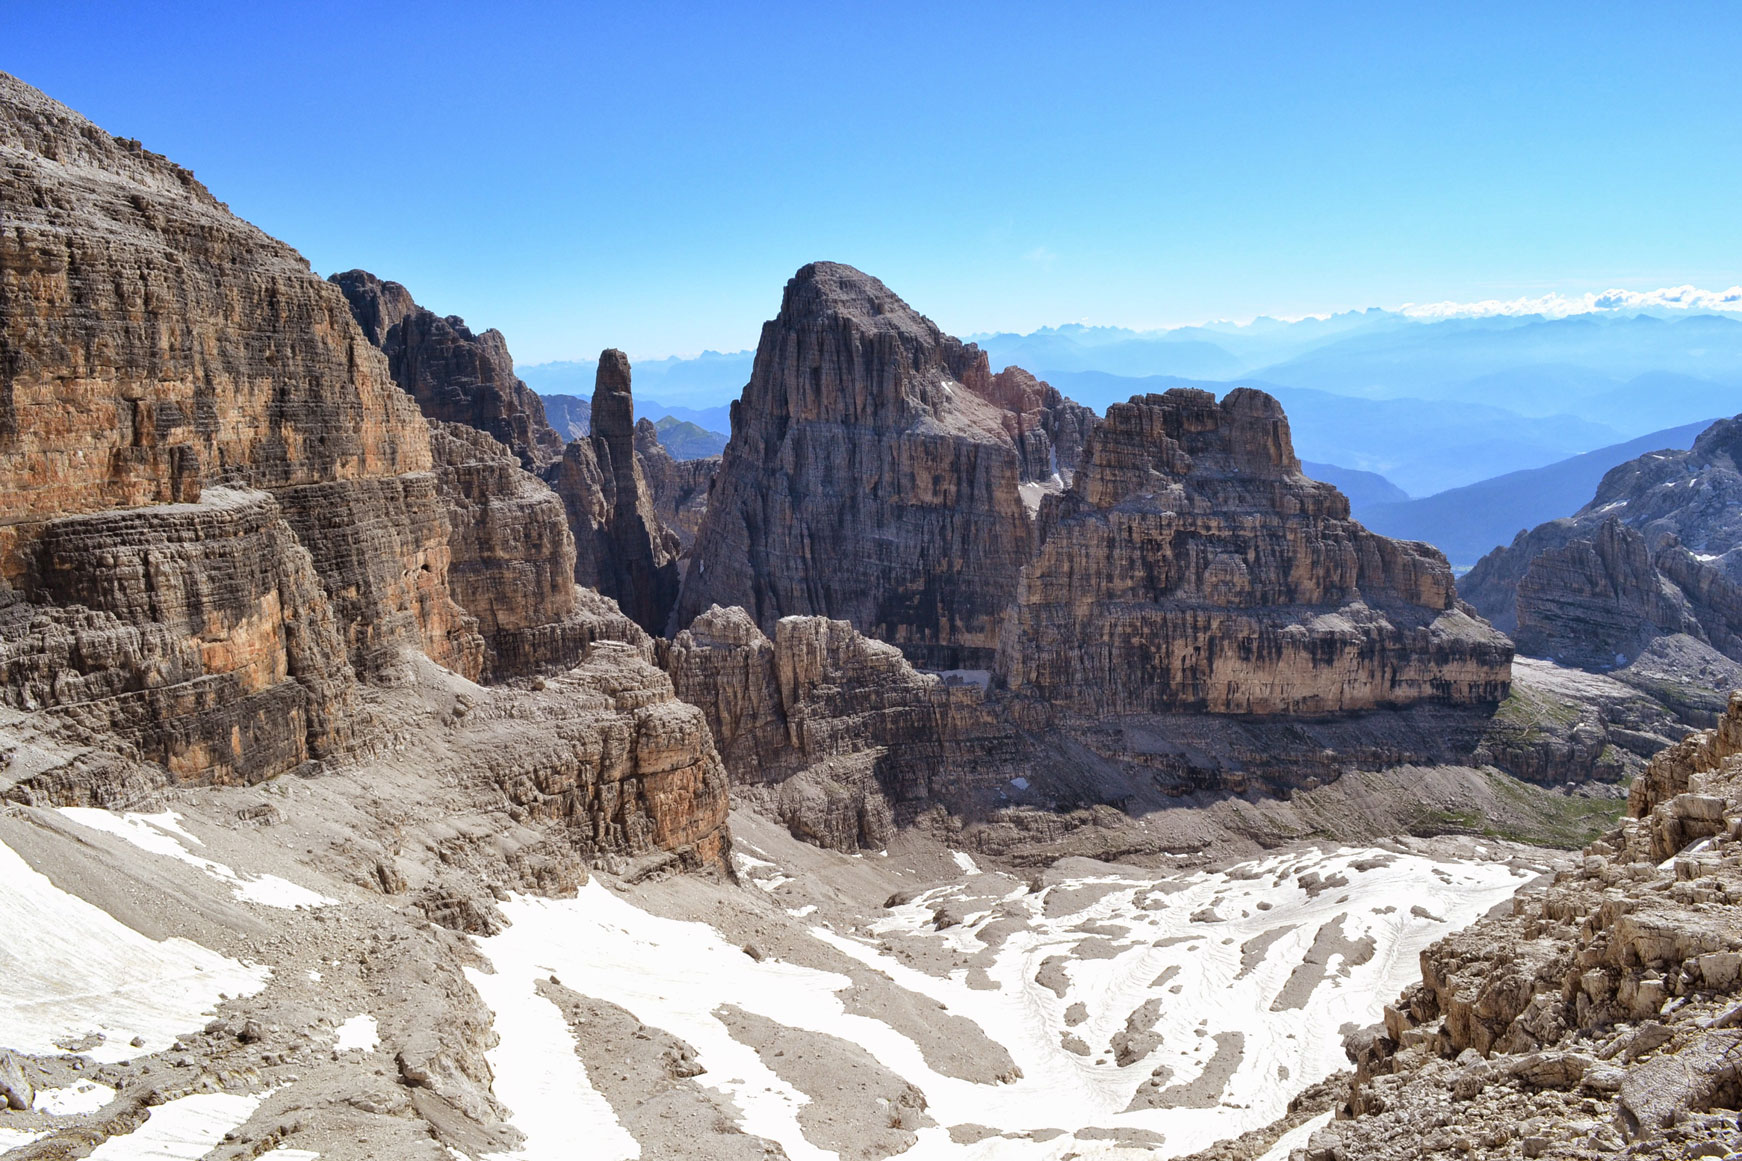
x=513 y=560
x=621 y=546
x=197 y=633
x=151 y=340
x=873 y=475
x=1656 y=553
x=455 y=376
x=1191 y=566
x=679 y=487
x=833 y=733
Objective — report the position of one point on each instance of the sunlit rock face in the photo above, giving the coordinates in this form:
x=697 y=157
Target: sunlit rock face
x=1191 y=566
x=873 y=476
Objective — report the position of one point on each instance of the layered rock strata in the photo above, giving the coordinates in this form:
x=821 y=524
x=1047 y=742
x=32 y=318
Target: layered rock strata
x=222 y=520
x=513 y=560
x=833 y=733
x=621 y=546
x=873 y=476
x=1599 y=1017
x=455 y=376
x=1191 y=566
x=197 y=634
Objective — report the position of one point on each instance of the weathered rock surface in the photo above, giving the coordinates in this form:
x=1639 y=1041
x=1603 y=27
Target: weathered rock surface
x=833 y=733
x=198 y=634
x=1598 y=1017
x=621 y=546
x=679 y=487
x=1653 y=554
x=873 y=476
x=455 y=376
x=570 y=415
x=1192 y=566
x=513 y=560
x=221 y=520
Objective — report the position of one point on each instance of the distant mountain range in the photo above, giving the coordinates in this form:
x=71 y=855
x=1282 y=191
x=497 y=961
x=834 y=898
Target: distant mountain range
x=1430 y=403
x=1465 y=523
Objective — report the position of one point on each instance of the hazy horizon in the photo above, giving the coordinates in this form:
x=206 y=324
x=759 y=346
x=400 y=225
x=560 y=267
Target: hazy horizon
x=648 y=178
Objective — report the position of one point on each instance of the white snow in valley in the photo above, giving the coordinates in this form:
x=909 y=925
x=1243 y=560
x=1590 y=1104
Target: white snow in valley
x=163 y=834
x=11 y=1139
x=184 y=1129
x=966 y=862
x=1217 y=953
x=538 y=1075
x=358 y=1034
x=86 y=1096
x=69 y=969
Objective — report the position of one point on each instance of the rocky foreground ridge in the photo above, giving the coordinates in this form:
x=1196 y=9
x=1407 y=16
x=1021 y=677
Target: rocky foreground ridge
x=1600 y=1016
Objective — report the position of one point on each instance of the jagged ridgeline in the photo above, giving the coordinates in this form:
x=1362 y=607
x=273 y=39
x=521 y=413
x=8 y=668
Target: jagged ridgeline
x=238 y=491
x=224 y=515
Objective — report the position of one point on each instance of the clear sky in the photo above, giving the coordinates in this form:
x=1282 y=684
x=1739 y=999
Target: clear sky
x=648 y=175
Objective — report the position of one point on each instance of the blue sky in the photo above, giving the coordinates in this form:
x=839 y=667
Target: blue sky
x=647 y=176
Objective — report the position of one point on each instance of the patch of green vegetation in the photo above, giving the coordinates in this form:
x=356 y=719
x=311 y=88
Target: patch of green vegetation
x=1532 y=715
x=1547 y=818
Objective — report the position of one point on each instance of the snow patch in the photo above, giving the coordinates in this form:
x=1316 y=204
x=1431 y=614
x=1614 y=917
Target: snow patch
x=70 y=970
x=965 y=861
x=1295 y=1138
x=184 y=1129
x=358 y=1034
x=87 y=1096
x=538 y=1075
x=163 y=834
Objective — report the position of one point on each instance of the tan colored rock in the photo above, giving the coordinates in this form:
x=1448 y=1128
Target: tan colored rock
x=833 y=733
x=679 y=487
x=513 y=560
x=873 y=476
x=1191 y=566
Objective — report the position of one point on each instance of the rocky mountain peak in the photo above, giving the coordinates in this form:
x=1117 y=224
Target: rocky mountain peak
x=455 y=375
x=613 y=401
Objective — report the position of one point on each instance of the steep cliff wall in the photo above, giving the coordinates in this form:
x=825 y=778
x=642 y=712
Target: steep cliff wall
x=455 y=376
x=873 y=475
x=1191 y=566
x=513 y=565
x=679 y=487
x=833 y=733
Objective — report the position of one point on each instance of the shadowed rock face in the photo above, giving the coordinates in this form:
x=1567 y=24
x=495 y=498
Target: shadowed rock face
x=455 y=375
x=1657 y=552
x=873 y=475
x=621 y=546
x=833 y=733
x=1191 y=566
x=679 y=487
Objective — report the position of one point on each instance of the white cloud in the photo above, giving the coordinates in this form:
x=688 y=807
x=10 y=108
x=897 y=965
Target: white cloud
x=1560 y=305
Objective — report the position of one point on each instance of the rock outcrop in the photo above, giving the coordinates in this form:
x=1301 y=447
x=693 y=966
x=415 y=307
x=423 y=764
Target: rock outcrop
x=1191 y=566
x=679 y=487
x=621 y=546
x=873 y=476
x=197 y=634
x=455 y=376
x=513 y=560
x=1599 y=1017
x=1657 y=552
x=833 y=733
x=229 y=541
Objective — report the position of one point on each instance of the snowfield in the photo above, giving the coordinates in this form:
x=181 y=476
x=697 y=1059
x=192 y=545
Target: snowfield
x=72 y=974
x=1144 y=1013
